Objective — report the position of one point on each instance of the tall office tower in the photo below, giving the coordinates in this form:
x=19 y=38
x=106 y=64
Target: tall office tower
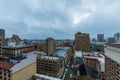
x=82 y=42
x=117 y=36
x=0 y=47
x=100 y=37
x=50 y=46
x=2 y=35
x=112 y=62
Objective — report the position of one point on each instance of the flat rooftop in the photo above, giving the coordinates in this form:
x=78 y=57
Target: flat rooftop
x=51 y=58
x=113 y=53
x=45 y=77
x=15 y=65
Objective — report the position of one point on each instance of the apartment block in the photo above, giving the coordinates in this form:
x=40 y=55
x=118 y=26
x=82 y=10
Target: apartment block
x=92 y=62
x=2 y=35
x=100 y=37
x=48 y=46
x=51 y=66
x=22 y=68
x=0 y=47
x=82 y=42
x=112 y=62
x=17 y=51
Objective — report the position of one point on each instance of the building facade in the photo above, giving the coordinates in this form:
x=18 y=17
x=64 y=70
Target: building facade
x=48 y=46
x=2 y=35
x=100 y=37
x=14 y=52
x=51 y=66
x=112 y=62
x=0 y=47
x=82 y=42
x=117 y=36
x=111 y=39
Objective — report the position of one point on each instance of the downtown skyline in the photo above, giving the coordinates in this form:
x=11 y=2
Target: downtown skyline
x=39 y=19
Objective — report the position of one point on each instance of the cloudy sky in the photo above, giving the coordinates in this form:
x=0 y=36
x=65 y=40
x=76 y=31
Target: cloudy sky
x=39 y=19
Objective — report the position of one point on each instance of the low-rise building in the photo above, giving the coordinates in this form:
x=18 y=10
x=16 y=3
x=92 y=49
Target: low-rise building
x=18 y=68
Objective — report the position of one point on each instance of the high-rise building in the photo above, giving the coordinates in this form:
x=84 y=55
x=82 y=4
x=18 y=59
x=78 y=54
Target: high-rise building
x=112 y=62
x=100 y=37
x=117 y=36
x=0 y=47
x=48 y=46
x=2 y=35
x=82 y=42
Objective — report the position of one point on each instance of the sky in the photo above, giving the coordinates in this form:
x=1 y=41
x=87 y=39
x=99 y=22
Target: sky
x=60 y=19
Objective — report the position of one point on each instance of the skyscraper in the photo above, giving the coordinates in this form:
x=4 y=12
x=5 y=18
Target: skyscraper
x=2 y=35
x=82 y=42
x=0 y=47
x=100 y=37
x=117 y=36
x=48 y=46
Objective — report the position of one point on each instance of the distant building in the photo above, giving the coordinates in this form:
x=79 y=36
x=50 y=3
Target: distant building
x=0 y=47
x=16 y=38
x=16 y=51
x=2 y=35
x=22 y=67
x=112 y=62
x=48 y=46
x=82 y=42
x=100 y=37
x=111 y=39
x=117 y=36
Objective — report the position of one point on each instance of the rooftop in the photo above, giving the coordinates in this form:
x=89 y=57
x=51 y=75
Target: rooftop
x=61 y=52
x=113 y=53
x=44 y=77
x=50 y=58
x=15 y=65
x=78 y=54
x=6 y=65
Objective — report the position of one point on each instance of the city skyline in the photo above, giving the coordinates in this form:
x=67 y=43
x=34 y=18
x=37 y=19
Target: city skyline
x=39 y=19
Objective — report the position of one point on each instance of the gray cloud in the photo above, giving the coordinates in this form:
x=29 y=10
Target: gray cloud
x=59 y=18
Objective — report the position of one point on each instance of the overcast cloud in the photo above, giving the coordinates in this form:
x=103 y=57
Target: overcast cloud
x=39 y=19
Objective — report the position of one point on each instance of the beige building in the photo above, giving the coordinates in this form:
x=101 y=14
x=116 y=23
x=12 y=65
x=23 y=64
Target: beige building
x=112 y=62
x=51 y=66
x=82 y=42
x=48 y=46
x=22 y=68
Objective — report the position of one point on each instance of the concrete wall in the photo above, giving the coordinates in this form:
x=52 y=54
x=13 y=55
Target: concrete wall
x=25 y=73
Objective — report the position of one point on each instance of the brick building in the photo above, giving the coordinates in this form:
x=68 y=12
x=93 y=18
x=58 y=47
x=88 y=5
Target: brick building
x=82 y=42
x=112 y=62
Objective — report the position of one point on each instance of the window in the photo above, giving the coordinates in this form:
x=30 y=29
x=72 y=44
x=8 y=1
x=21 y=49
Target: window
x=117 y=65
x=118 y=72
x=5 y=74
x=4 y=78
x=8 y=75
